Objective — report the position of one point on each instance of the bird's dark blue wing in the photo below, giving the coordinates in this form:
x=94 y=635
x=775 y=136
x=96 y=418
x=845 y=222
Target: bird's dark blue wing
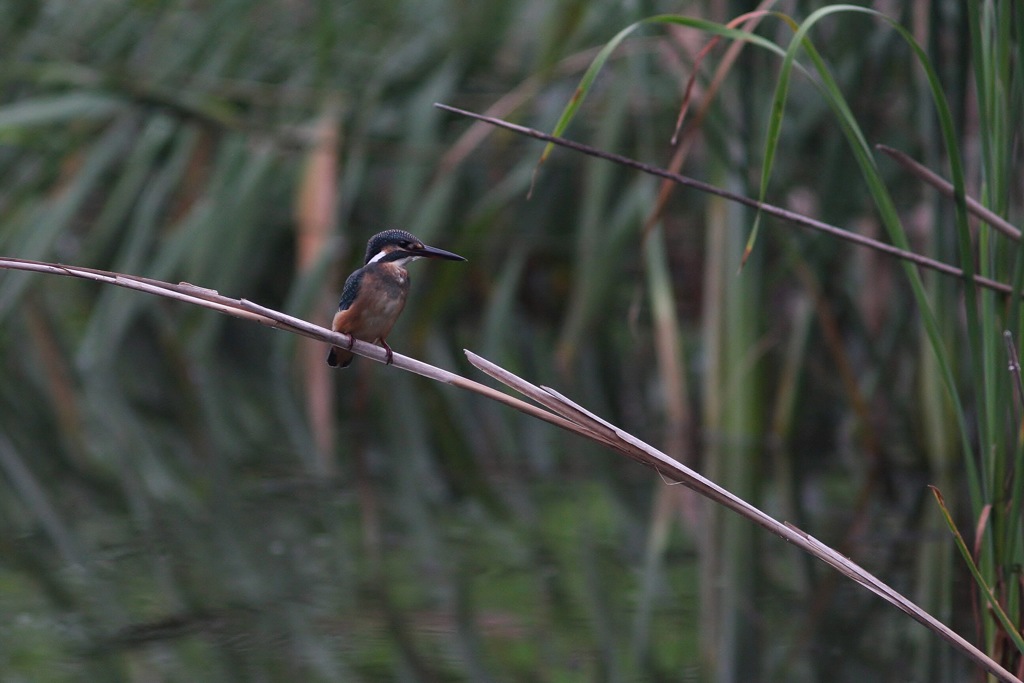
x=338 y=356
x=351 y=290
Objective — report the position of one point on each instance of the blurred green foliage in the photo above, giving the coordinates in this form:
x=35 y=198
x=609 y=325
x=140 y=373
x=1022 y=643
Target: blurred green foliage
x=168 y=507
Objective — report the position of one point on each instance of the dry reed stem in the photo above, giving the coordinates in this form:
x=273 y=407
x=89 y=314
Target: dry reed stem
x=946 y=188
x=563 y=413
x=770 y=209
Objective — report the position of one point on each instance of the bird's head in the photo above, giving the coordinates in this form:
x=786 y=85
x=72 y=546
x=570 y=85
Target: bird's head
x=401 y=247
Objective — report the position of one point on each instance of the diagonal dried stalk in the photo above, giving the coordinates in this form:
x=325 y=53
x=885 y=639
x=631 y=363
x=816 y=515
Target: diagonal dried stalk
x=629 y=445
x=240 y=308
x=947 y=190
x=769 y=209
x=555 y=409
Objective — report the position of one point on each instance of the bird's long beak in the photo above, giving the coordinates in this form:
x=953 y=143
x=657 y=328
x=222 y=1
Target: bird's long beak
x=434 y=252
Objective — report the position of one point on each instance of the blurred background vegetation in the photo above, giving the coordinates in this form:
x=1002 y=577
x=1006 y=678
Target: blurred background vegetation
x=189 y=497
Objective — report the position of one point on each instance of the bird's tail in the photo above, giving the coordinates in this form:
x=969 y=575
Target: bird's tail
x=339 y=357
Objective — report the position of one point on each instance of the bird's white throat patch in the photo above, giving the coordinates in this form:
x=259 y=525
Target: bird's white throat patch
x=397 y=262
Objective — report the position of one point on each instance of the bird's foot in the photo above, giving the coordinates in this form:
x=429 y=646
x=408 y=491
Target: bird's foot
x=390 y=354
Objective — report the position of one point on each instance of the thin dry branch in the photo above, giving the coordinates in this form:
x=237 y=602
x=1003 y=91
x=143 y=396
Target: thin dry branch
x=247 y=310
x=557 y=410
x=947 y=189
x=770 y=209
x=629 y=445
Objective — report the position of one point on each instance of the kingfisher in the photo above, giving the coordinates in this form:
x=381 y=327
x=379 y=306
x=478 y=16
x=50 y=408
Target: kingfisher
x=375 y=294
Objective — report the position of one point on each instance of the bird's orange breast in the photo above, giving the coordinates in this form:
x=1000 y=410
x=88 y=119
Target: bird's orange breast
x=381 y=298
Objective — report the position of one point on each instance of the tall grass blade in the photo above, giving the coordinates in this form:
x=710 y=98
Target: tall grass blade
x=1008 y=627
